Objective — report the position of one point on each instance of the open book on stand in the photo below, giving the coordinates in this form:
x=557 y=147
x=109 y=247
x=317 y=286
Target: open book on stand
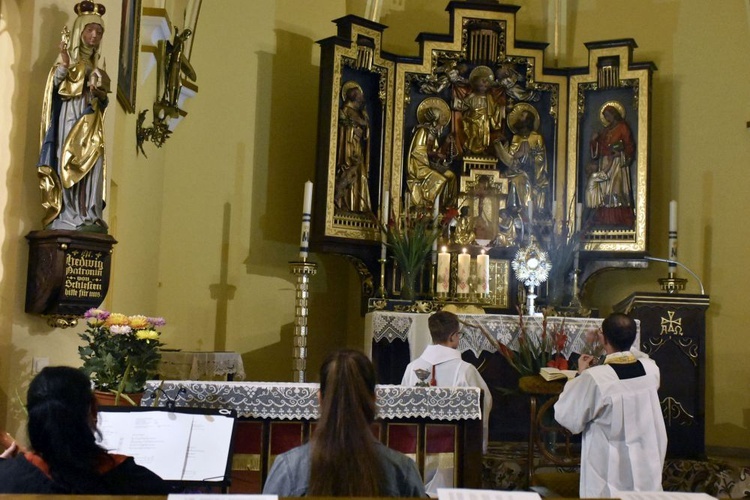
x=184 y=445
x=550 y=373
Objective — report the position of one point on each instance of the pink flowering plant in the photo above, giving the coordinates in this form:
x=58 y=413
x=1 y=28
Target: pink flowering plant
x=120 y=352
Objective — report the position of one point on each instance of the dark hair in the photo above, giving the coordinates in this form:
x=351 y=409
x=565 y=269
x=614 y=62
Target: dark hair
x=442 y=325
x=347 y=392
x=61 y=427
x=619 y=330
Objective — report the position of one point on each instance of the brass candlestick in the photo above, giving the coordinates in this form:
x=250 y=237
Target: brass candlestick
x=381 y=290
x=303 y=271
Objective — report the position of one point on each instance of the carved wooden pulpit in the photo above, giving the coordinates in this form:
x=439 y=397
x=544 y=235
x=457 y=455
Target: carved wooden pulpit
x=673 y=333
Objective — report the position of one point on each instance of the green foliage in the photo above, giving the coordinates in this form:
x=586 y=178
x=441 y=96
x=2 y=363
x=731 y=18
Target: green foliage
x=411 y=242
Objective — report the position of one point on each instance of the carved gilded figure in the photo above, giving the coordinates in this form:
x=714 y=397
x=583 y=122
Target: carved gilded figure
x=481 y=114
x=71 y=166
x=608 y=185
x=353 y=154
x=463 y=234
x=429 y=172
x=526 y=158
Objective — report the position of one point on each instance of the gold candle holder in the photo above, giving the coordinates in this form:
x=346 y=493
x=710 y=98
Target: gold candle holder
x=381 y=290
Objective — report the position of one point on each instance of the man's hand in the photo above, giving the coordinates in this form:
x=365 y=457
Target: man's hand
x=584 y=362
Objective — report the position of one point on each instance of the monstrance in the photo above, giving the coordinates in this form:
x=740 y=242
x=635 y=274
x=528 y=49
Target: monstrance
x=532 y=267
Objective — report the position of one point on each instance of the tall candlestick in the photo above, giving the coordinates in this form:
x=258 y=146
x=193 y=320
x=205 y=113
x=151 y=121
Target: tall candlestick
x=672 y=235
x=464 y=270
x=385 y=217
x=443 y=281
x=304 y=244
x=483 y=273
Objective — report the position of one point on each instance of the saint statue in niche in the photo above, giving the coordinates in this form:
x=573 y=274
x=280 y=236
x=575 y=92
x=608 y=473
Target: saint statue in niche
x=429 y=173
x=352 y=191
x=71 y=164
x=608 y=184
x=482 y=114
x=526 y=159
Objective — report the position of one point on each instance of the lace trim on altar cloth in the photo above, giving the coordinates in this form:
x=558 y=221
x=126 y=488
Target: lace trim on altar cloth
x=390 y=326
x=292 y=401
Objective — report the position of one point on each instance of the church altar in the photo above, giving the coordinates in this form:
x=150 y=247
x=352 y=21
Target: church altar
x=383 y=327
x=293 y=401
x=200 y=365
x=438 y=427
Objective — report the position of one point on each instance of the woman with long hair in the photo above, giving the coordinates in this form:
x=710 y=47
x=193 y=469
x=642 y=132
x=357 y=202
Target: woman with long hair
x=64 y=455
x=343 y=458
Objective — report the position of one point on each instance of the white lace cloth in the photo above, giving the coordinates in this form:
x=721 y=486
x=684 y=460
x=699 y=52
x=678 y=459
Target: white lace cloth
x=200 y=365
x=412 y=328
x=292 y=401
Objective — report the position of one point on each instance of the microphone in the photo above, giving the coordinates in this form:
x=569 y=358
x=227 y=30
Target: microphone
x=676 y=263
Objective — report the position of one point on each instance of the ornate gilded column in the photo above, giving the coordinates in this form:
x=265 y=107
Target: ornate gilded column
x=303 y=270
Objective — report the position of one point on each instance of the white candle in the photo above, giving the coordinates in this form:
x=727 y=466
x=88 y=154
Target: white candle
x=530 y=208
x=385 y=217
x=483 y=272
x=304 y=244
x=464 y=270
x=435 y=215
x=443 y=280
x=579 y=216
x=672 y=234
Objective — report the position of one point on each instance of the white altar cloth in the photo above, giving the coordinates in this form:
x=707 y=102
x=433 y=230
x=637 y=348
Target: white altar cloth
x=299 y=401
x=412 y=328
x=200 y=365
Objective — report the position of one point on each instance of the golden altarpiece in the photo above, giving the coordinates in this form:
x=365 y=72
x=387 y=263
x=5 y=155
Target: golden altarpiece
x=477 y=133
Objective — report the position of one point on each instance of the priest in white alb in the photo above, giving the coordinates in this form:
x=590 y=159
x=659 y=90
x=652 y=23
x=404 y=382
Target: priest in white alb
x=616 y=407
x=442 y=361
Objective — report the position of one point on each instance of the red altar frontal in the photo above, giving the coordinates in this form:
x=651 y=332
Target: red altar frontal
x=439 y=428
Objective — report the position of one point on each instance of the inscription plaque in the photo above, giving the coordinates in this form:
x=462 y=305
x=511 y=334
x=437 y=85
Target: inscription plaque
x=68 y=274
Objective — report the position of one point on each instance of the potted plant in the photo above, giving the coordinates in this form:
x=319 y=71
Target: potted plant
x=120 y=353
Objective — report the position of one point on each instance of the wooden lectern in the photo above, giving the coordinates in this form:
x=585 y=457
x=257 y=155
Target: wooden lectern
x=673 y=334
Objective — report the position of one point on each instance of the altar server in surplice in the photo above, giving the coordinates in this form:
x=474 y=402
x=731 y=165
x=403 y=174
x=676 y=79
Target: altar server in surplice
x=443 y=362
x=617 y=408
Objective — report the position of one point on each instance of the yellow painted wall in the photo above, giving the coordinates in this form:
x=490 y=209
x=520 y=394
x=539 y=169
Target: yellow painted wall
x=223 y=196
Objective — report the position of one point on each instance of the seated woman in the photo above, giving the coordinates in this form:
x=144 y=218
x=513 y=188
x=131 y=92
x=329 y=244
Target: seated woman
x=64 y=456
x=343 y=458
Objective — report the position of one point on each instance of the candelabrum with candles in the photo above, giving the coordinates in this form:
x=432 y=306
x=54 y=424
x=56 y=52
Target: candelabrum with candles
x=303 y=270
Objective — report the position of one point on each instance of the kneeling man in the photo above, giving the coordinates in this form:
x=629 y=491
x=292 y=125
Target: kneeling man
x=617 y=408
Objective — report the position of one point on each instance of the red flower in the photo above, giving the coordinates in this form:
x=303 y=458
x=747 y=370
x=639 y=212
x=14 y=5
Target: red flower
x=560 y=340
x=558 y=362
x=450 y=214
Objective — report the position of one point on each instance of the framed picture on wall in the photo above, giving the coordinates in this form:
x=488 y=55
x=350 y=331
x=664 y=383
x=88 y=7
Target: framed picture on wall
x=127 y=68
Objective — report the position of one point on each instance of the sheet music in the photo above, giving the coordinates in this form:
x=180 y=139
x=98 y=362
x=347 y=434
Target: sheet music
x=176 y=446
x=207 y=455
x=467 y=494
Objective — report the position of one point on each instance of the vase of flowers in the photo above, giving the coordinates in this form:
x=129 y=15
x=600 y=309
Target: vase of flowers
x=411 y=242
x=120 y=352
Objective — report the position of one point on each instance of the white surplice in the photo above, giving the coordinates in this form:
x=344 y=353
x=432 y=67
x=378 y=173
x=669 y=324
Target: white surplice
x=624 y=437
x=450 y=371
